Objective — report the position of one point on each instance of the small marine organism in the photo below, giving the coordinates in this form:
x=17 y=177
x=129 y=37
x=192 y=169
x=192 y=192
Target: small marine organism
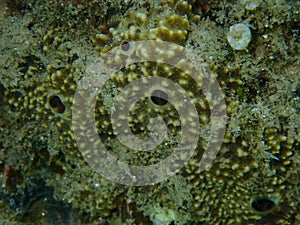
x=239 y=36
x=250 y=4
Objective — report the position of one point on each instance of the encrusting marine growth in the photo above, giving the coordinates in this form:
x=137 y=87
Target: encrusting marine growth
x=46 y=47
